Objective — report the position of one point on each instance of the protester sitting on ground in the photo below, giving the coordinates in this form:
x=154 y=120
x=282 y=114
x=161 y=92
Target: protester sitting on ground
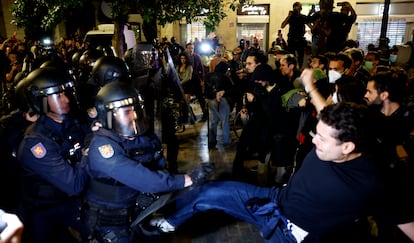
x=336 y=186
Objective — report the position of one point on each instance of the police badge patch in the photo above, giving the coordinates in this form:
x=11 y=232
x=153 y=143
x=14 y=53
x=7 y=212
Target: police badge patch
x=39 y=151
x=106 y=151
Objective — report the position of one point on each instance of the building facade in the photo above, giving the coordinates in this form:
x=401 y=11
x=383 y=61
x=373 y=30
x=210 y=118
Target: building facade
x=262 y=20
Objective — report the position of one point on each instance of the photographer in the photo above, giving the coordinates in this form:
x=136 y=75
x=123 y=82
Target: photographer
x=11 y=228
x=341 y=23
x=296 y=41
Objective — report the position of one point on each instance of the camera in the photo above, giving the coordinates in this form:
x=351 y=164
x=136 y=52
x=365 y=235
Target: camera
x=340 y=4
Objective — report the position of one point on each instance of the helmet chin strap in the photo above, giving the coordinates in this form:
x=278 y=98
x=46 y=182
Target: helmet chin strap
x=109 y=115
x=130 y=137
x=57 y=117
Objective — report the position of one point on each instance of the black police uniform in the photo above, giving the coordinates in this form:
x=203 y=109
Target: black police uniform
x=53 y=178
x=12 y=127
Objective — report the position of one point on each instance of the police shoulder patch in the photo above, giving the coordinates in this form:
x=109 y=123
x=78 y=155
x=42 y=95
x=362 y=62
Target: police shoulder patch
x=106 y=151
x=39 y=151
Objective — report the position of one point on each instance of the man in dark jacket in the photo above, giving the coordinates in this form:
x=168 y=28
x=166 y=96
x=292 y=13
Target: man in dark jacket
x=264 y=131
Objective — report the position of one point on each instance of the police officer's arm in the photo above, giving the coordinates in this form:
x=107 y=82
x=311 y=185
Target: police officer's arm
x=42 y=156
x=110 y=160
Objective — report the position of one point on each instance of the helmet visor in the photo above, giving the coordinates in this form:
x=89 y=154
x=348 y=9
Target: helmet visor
x=129 y=121
x=61 y=99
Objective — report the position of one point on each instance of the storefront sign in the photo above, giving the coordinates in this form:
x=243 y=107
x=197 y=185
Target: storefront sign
x=259 y=9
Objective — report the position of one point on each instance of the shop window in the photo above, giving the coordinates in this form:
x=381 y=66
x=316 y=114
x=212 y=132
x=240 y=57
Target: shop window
x=369 y=32
x=189 y=32
x=250 y=31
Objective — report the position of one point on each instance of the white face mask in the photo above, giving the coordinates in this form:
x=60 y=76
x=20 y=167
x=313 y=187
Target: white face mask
x=335 y=98
x=333 y=76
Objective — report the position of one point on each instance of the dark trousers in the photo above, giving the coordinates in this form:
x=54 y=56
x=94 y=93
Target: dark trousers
x=51 y=224
x=297 y=48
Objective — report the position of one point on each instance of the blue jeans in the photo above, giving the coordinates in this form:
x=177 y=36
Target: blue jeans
x=219 y=112
x=229 y=197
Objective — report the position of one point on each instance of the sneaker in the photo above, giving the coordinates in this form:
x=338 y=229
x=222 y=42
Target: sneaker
x=162 y=225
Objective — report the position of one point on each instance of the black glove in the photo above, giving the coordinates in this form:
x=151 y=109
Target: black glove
x=201 y=172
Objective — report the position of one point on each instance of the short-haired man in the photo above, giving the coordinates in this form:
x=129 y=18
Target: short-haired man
x=336 y=185
x=338 y=65
x=253 y=60
x=197 y=78
x=357 y=68
x=395 y=123
x=290 y=72
x=319 y=61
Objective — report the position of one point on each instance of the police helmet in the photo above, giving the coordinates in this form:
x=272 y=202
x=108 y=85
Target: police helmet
x=59 y=64
x=75 y=59
x=44 y=89
x=108 y=69
x=55 y=63
x=121 y=108
x=88 y=58
x=20 y=96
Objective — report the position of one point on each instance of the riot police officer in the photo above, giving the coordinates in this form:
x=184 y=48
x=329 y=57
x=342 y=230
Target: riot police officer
x=50 y=156
x=105 y=69
x=124 y=161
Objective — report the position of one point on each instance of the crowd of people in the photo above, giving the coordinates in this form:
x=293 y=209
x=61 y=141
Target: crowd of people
x=76 y=134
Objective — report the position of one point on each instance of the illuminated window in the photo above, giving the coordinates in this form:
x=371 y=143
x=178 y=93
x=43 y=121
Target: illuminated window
x=369 y=32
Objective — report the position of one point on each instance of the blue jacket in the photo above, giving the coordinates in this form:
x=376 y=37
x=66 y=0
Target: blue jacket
x=125 y=167
x=50 y=155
